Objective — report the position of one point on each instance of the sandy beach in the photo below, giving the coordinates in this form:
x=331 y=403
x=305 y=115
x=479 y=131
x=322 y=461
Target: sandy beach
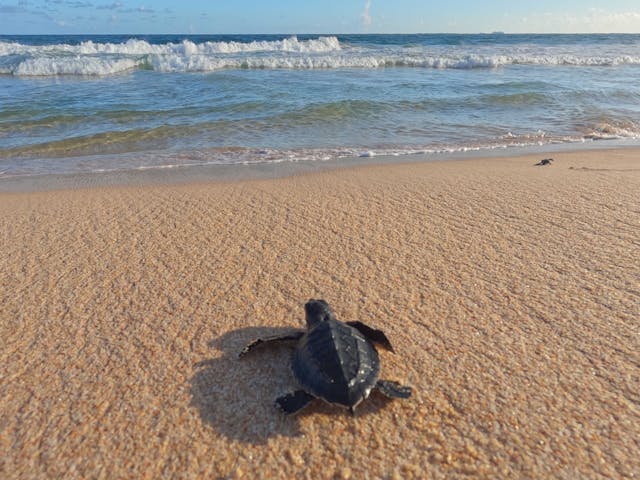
x=510 y=292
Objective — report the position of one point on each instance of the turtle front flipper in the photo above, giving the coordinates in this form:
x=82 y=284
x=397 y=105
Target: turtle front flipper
x=293 y=402
x=393 y=389
x=287 y=337
x=376 y=336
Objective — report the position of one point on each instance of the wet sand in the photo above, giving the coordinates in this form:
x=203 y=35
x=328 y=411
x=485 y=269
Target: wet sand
x=510 y=292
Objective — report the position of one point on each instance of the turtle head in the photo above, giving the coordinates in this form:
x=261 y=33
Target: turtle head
x=317 y=311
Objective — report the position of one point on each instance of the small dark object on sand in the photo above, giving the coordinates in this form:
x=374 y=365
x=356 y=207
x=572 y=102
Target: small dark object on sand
x=334 y=361
x=544 y=161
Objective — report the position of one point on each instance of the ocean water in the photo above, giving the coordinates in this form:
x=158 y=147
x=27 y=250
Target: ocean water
x=98 y=103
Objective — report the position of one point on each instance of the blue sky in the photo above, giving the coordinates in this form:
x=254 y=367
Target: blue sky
x=318 y=16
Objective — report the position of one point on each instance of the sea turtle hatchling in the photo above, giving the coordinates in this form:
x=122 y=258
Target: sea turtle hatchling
x=544 y=161
x=334 y=361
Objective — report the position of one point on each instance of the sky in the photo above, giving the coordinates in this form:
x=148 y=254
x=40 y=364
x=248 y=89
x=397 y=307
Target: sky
x=317 y=16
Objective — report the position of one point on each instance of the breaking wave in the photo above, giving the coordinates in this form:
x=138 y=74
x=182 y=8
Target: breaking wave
x=326 y=52
x=186 y=47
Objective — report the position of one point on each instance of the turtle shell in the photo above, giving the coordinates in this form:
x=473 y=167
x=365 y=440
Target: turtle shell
x=336 y=363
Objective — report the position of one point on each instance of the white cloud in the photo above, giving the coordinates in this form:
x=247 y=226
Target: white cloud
x=604 y=20
x=365 y=15
x=593 y=20
x=62 y=23
x=110 y=6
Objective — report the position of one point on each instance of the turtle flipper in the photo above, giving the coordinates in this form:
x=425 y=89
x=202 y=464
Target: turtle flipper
x=287 y=337
x=376 y=336
x=293 y=402
x=393 y=389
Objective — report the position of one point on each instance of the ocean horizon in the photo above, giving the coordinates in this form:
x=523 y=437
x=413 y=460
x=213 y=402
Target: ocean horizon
x=94 y=103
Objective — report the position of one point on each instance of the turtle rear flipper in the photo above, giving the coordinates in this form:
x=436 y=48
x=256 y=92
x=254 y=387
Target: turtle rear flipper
x=293 y=336
x=373 y=335
x=293 y=402
x=393 y=389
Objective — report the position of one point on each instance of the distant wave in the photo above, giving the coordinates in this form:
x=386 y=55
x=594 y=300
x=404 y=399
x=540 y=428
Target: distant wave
x=72 y=66
x=206 y=64
x=99 y=59
x=174 y=63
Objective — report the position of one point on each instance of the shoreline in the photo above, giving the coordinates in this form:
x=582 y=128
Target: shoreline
x=509 y=292
x=175 y=175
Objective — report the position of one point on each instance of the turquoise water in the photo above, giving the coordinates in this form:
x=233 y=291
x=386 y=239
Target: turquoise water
x=94 y=103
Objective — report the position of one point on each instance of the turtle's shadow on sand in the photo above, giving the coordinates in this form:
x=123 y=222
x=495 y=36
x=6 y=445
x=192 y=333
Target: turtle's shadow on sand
x=236 y=396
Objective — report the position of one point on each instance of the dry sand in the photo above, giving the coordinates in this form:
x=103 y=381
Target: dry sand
x=510 y=292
